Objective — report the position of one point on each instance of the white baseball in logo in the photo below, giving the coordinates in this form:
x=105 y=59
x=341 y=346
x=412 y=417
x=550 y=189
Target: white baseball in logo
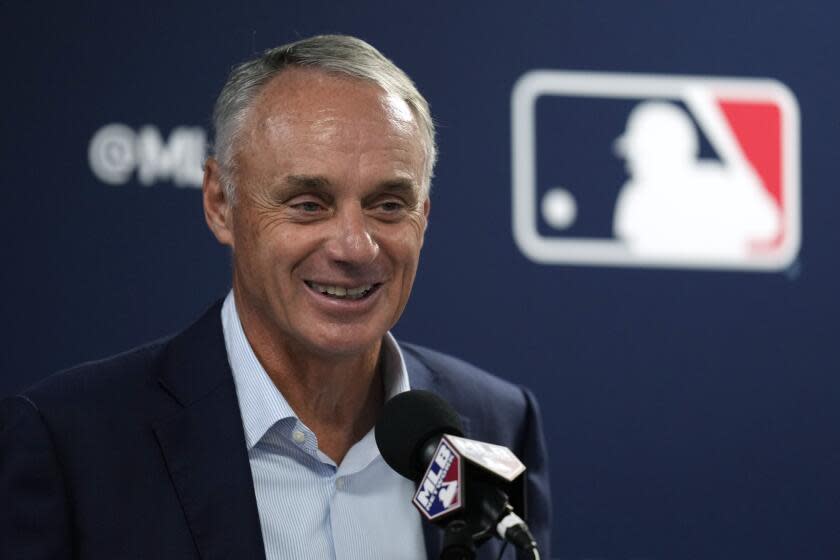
x=559 y=208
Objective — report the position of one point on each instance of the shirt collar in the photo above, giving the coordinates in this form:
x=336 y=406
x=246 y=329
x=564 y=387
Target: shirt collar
x=261 y=404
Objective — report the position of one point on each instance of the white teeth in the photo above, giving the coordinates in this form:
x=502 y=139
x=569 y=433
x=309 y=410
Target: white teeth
x=358 y=291
x=341 y=292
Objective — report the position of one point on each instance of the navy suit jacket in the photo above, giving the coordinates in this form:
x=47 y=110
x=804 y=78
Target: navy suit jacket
x=143 y=455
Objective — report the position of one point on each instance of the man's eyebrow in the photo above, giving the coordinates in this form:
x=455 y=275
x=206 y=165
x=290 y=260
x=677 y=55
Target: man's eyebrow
x=399 y=186
x=294 y=185
x=307 y=182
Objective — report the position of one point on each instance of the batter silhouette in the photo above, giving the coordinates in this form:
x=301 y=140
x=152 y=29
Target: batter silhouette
x=677 y=205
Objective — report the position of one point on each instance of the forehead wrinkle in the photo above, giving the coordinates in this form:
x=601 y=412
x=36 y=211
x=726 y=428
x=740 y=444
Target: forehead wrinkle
x=279 y=101
x=324 y=129
x=287 y=110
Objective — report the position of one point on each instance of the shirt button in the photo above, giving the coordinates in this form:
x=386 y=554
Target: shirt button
x=339 y=483
x=298 y=436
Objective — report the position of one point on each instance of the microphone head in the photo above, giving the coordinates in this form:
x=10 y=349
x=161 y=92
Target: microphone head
x=407 y=423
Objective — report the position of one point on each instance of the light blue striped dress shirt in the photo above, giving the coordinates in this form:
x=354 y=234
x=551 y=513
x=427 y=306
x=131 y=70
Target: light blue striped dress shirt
x=310 y=507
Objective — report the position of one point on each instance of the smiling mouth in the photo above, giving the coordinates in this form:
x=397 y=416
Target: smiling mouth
x=340 y=292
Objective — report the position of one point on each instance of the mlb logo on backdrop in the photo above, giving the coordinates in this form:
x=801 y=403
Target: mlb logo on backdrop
x=655 y=171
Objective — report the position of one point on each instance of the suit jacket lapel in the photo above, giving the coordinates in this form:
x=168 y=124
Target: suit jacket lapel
x=204 y=444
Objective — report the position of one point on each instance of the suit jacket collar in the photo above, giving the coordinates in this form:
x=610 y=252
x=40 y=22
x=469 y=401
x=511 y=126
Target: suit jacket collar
x=203 y=444
x=195 y=363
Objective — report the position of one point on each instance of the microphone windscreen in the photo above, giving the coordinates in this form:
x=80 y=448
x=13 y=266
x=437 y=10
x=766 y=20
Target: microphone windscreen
x=407 y=423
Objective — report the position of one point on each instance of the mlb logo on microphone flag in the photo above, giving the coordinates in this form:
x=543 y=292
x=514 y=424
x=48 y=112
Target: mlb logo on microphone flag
x=616 y=169
x=440 y=490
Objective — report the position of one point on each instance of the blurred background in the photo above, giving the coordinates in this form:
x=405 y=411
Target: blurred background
x=690 y=412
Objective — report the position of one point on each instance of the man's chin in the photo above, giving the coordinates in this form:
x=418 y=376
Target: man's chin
x=346 y=342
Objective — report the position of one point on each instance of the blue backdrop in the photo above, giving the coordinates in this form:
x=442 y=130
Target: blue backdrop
x=689 y=413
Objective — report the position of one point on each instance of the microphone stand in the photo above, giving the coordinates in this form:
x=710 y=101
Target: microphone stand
x=458 y=543
x=494 y=515
x=476 y=526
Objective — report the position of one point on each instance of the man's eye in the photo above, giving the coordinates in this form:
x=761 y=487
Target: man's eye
x=391 y=206
x=307 y=206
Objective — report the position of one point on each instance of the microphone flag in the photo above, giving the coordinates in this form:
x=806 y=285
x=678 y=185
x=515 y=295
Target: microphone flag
x=441 y=490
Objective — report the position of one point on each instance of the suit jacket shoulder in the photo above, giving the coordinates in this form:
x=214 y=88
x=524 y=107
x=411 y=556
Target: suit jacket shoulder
x=141 y=455
x=490 y=405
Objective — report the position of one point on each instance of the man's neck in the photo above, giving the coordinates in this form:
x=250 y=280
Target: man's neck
x=337 y=397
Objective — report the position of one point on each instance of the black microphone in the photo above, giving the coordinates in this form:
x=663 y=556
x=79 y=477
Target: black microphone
x=408 y=434
x=409 y=430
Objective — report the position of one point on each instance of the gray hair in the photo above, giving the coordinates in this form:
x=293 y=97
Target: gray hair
x=339 y=54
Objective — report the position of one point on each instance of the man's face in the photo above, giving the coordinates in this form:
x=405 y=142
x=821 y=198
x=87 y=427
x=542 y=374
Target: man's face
x=329 y=215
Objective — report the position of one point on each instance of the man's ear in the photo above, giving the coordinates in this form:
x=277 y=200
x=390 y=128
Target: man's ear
x=217 y=206
x=427 y=206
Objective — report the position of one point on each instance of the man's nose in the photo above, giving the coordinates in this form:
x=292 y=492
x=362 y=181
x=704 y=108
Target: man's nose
x=351 y=241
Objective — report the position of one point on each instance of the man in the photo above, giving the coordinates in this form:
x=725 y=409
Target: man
x=249 y=435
